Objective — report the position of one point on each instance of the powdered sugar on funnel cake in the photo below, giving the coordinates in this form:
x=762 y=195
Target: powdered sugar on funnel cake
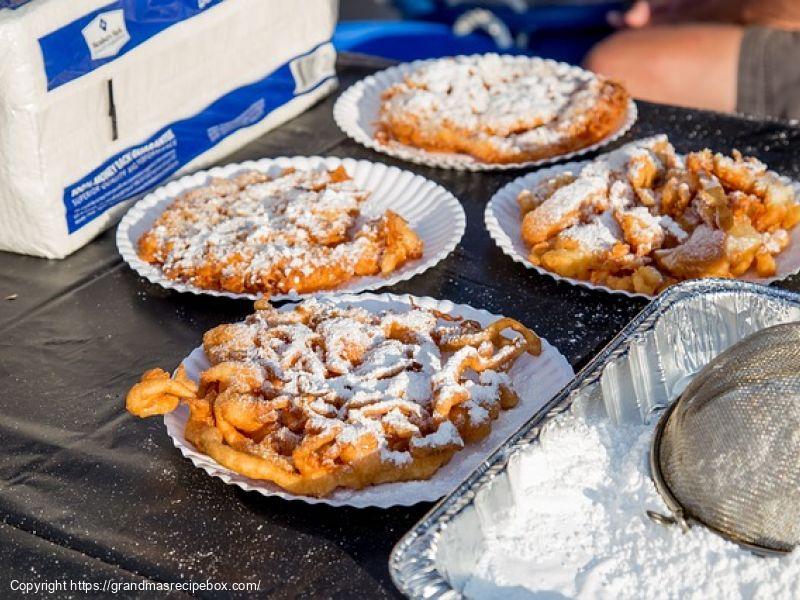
x=400 y=397
x=500 y=109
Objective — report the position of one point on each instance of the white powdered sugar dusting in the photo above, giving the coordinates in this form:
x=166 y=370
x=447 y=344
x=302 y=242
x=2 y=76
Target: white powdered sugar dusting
x=776 y=241
x=642 y=218
x=263 y=232
x=533 y=378
x=673 y=229
x=592 y=237
x=446 y=435
x=580 y=530
x=515 y=105
x=368 y=376
x=564 y=206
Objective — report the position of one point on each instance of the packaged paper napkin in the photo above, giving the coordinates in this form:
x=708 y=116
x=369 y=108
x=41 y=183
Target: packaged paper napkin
x=101 y=100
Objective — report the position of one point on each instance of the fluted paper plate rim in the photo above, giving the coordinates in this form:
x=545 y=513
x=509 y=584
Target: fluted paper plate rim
x=544 y=376
x=433 y=212
x=347 y=112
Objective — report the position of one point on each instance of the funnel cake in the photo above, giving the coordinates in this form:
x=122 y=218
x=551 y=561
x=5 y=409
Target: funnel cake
x=300 y=231
x=501 y=109
x=322 y=397
x=642 y=218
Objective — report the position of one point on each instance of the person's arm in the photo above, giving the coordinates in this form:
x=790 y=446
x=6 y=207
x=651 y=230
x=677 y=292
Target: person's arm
x=775 y=13
x=783 y=14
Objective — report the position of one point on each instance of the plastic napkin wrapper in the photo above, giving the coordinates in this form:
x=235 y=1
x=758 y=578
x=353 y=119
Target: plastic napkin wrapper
x=100 y=101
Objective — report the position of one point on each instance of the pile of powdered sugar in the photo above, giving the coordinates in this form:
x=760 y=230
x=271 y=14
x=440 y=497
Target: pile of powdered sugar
x=580 y=530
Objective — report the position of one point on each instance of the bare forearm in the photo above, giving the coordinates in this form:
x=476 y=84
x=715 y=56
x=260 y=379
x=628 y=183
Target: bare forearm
x=783 y=14
x=774 y=13
x=698 y=10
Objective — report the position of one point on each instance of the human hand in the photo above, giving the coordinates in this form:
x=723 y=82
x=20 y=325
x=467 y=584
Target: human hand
x=636 y=16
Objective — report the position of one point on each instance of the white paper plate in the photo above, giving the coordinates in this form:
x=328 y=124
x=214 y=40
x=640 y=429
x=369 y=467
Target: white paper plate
x=433 y=212
x=504 y=224
x=535 y=378
x=357 y=109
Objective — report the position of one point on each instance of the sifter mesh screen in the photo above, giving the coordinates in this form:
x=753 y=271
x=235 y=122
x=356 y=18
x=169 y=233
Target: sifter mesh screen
x=729 y=450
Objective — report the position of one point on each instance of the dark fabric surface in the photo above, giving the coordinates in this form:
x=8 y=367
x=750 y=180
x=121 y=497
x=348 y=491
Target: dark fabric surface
x=89 y=492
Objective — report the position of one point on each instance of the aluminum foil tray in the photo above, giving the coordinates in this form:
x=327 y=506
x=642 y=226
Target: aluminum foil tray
x=638 y=374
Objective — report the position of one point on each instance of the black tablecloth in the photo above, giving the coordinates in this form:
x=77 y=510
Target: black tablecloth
x=88 y=492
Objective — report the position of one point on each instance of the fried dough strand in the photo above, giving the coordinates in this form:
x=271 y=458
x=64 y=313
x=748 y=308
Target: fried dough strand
x=322 y=397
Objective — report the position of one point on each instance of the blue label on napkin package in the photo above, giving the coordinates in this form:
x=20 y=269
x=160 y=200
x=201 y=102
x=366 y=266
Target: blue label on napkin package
x=13 y=3
x=109 y=32
x=145 y=165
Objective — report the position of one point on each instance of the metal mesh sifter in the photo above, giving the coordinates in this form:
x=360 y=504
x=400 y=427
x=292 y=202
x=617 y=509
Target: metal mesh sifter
x=727 y=453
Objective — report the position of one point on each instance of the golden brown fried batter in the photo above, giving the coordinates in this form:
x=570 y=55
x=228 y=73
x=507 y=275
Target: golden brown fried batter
x=301 y=231
x=501 y=109
x=323 y=396
x=640 y=219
